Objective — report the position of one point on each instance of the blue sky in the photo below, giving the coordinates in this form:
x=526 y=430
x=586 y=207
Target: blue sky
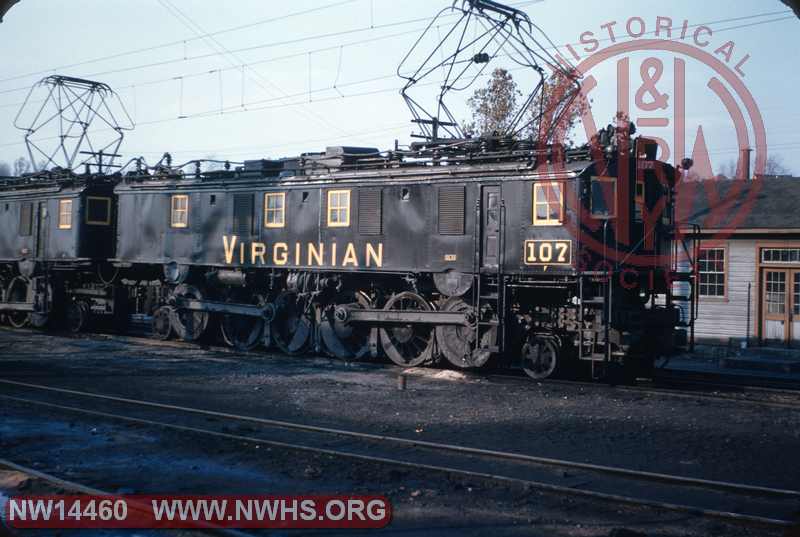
x=323 y=73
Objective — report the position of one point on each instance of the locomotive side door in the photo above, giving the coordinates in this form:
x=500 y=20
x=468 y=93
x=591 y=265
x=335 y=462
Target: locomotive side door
x=41 y=229
x=490 y=227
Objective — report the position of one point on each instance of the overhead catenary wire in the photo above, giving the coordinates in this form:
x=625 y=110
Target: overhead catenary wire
x=256 y=47
x=356 y=43
x=246 y=108
x=232 y=58
x=180 y=41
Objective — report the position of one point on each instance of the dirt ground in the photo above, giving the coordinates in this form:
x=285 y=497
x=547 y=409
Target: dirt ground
x=699 y=437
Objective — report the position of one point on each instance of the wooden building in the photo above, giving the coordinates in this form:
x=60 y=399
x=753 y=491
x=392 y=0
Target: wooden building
x=749 y=263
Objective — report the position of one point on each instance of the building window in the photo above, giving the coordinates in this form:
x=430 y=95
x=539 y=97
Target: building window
x=775 y=297
x=338 y=208
x=780 y=255
x=275 y=209
x=64 y=214
x=603 y=197
x=548 y=204
x=711 y=267
x=98 y=211
x=180 y=211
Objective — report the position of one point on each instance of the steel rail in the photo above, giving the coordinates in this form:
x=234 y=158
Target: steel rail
x=545 y=382
x=611 y=470
x=676 y=392
x=519 y=378
x=613 y=498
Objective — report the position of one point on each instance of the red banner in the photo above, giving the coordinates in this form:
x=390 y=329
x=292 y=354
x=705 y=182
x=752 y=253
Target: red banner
x=144 y=511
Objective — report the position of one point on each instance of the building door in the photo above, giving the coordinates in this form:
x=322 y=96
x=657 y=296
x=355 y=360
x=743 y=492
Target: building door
x=776 y=306
x=490 y=227
x=794 y=309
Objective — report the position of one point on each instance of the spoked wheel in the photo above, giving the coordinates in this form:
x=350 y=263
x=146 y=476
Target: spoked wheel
x=77 y=316
x=408 y=345
x=292 y=326
x=241 y=332
x=162 y=323
x=189 y=325
x=17 y=291
x=343 y=339
x=457 y=342
x=539 y=358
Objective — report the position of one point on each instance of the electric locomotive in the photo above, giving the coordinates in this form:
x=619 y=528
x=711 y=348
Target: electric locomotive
x=511 y=247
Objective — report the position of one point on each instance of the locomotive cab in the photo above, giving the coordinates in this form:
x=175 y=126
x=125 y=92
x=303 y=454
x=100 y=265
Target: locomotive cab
x=55 y=225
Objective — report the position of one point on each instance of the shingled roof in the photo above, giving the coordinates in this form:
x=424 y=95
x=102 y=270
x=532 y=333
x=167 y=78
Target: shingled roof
x=766 y=203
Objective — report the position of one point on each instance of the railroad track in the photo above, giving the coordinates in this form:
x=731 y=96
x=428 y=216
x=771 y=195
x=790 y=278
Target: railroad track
x=734 y=502
x=776 y=396
x=737 y=393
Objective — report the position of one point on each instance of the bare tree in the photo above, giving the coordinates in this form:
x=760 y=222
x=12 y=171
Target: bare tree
x=727 y=170
x=21 y=166
x=774 y=166
x=5 y=169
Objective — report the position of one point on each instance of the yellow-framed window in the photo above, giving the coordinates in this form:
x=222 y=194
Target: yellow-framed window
x=275 y=209
x=548 y=203
x=338 y=208
x=64 y=214
x=179 y=215
x=98 y=211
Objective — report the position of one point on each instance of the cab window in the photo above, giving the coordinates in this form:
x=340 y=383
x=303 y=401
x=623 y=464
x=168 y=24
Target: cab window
x=603 y=197
x=64 y=214
x=179 y=217
x=548 y=204
x=274 y=209
x=98 y=211
x=338 y=208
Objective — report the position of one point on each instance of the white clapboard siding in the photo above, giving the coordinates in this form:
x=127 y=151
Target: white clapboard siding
x=723 y=319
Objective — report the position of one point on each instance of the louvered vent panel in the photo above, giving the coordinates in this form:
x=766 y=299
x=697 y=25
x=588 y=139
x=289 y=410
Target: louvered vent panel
x=451 y=210
x=25 y=219
x=243 y=214
x=370 y=211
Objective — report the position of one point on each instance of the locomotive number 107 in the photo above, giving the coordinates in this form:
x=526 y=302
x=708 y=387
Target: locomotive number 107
x=544 y=252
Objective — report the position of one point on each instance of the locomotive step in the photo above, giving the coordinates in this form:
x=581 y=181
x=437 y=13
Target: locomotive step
x=493 y=296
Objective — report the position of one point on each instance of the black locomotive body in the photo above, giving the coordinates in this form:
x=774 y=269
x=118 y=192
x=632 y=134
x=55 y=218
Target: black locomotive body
x=58 y=234
x=531 y=261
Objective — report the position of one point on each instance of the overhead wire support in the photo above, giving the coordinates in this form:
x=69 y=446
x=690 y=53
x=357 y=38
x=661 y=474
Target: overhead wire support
x=498 y=31
x=71 y=107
